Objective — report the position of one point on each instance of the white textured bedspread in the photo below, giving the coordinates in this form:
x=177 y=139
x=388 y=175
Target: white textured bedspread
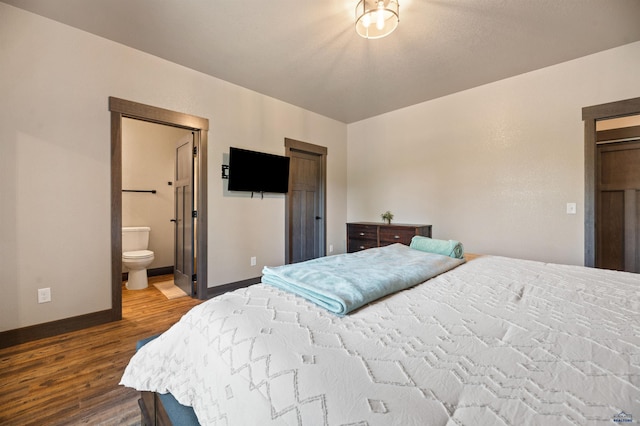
x=495 y=341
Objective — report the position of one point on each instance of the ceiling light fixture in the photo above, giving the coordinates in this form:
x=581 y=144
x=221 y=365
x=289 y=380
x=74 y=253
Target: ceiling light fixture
x=377 y=18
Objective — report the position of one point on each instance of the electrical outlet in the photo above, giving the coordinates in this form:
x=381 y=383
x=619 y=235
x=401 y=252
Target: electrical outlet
x=253 y=261
x=330 y=248
x=44 y=295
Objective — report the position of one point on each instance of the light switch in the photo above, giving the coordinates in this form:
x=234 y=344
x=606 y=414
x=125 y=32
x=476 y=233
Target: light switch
x=571 y=208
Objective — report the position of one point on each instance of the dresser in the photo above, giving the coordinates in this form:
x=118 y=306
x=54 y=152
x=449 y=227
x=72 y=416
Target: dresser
x=364 y=235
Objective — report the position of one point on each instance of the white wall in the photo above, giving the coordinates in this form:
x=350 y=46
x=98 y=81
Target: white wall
x=149 y=163
x=55 y=164
x=494 y=166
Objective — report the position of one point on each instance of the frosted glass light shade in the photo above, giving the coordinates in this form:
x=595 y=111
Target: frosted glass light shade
x=377 y=18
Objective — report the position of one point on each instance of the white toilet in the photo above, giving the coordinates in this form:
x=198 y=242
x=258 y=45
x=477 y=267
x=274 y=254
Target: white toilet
x=135 y=256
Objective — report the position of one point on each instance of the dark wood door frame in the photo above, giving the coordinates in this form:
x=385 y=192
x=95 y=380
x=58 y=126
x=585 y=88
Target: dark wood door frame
x=590 y=115
x=294 y=145
x=120 y=108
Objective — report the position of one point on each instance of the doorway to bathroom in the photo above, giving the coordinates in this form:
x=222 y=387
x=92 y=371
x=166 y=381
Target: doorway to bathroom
x=158 y=192
x=194 y=129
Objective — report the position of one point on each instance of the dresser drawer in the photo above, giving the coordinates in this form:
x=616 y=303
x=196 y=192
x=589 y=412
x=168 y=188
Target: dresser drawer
x=357 y=245
x=396 y=234
x=362 y=232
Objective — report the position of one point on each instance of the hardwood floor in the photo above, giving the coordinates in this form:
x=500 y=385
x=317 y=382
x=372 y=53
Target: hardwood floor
x=73 y=378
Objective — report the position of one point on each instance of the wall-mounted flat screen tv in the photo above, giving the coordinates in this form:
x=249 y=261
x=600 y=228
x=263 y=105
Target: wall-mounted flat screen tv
x=254 y=171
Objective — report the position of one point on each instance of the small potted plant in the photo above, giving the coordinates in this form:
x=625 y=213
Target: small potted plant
x=387 y=216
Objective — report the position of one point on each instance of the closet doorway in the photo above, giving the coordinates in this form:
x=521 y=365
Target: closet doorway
x=612 y=185
x=199 y=127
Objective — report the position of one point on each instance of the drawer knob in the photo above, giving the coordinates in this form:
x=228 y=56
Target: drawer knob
x=397 y=237
x=362 y=233
x=361 y=247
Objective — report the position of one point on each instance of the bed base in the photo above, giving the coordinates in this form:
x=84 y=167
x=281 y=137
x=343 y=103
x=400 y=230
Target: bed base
x=150 y=415
x=163 y=409
x=152 y=411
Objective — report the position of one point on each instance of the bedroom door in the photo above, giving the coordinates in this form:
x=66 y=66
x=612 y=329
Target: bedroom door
x=305 y=206
x=183 y=273
x=618 y=230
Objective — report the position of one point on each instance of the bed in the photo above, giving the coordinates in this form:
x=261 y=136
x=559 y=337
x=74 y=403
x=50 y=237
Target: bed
x=493 y=341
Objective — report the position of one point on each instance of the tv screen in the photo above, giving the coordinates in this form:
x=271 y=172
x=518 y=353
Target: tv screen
x=257 y=171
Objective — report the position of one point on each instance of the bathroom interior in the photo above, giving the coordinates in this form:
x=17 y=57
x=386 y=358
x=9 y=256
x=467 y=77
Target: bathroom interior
x=148 y=201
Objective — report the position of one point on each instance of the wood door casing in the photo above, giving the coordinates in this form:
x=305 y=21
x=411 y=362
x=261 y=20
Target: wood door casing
x=590 y=115
x=121 y=108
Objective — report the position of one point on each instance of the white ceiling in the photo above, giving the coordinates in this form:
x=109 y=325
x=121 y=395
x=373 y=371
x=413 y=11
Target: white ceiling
x=307 y=52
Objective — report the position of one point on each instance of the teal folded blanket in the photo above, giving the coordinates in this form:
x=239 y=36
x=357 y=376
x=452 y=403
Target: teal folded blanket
x=345 y=282
x=449 y=248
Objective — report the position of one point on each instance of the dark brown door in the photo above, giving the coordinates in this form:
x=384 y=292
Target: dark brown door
x=305 y=202
x=618 y=218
